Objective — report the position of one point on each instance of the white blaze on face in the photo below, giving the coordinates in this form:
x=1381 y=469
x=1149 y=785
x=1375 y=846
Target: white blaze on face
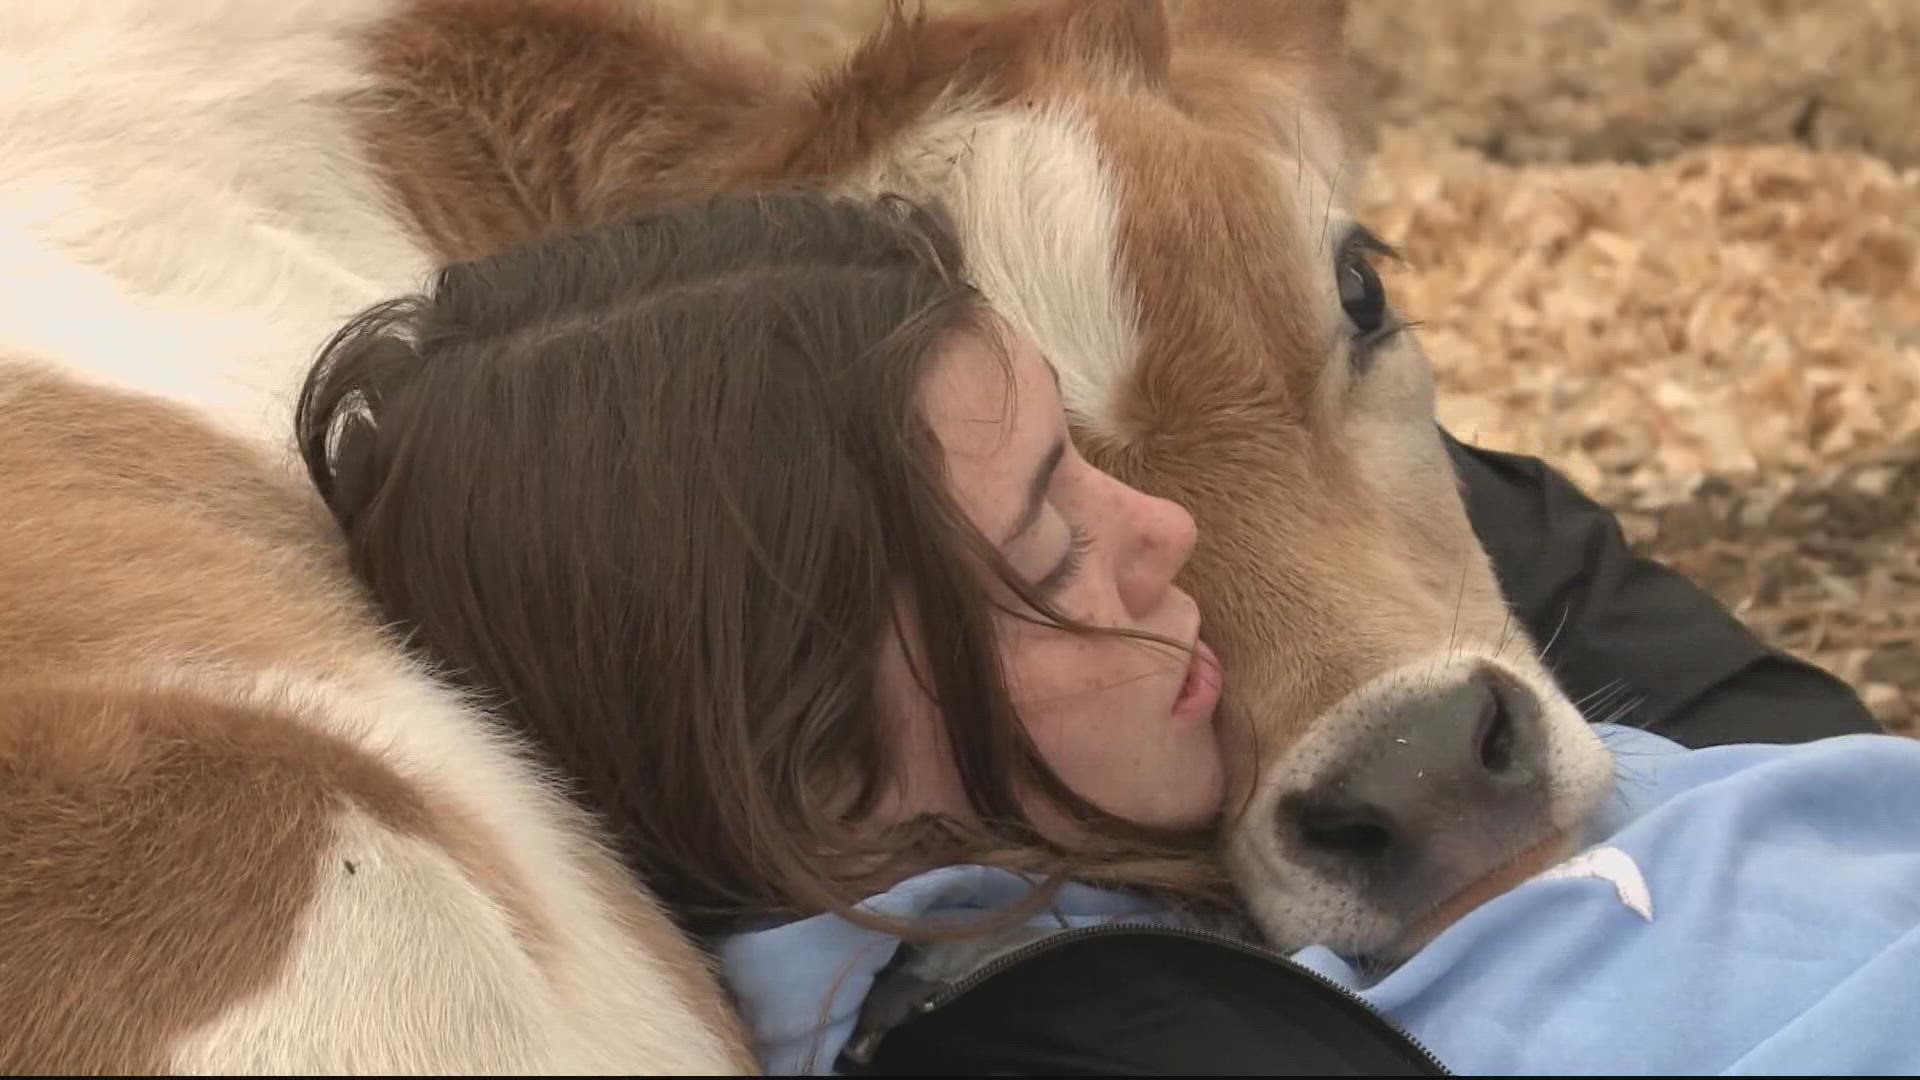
x=1038 y=218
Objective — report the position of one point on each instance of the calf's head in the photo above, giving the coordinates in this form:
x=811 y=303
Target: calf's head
x=1162 y=202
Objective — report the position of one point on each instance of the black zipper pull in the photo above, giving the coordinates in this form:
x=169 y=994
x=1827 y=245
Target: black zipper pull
x=897 y=995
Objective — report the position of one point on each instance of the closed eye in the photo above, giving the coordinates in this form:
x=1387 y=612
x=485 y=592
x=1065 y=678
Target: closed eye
x=1079 y=542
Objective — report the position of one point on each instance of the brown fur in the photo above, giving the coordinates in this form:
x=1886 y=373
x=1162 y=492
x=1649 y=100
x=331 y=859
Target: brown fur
x=892 y=80
x=586 y=110
x=107 y=490
x=577 y=112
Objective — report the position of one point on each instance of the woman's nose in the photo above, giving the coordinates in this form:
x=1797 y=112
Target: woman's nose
x=1163 y=534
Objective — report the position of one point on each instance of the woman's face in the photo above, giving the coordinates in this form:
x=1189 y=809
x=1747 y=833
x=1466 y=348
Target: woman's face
x=1126 y=723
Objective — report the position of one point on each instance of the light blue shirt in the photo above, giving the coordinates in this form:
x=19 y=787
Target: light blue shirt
x=1745 y=909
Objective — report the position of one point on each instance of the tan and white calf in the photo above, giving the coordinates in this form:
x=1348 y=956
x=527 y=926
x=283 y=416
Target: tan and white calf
x=192 y=194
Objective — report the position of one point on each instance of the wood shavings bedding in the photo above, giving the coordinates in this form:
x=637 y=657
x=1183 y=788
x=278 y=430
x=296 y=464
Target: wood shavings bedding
x=1730 y=312
x=1638 y=80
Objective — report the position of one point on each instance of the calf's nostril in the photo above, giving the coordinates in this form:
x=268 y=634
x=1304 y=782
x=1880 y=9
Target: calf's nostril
x=1353 y=832
x=1494 y=742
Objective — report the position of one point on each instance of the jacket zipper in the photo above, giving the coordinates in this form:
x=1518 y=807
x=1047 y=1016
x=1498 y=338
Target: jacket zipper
x=953 y=990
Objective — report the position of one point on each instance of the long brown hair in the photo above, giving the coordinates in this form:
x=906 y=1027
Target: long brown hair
x=655 y=491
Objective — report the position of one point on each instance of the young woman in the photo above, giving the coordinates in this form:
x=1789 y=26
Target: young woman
x=754 y=518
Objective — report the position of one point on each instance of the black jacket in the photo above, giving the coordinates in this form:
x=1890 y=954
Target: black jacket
x=1140 y=1001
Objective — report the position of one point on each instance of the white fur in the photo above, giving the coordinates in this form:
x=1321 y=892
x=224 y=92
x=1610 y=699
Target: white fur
x=186 y=212
x=1038 y=218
